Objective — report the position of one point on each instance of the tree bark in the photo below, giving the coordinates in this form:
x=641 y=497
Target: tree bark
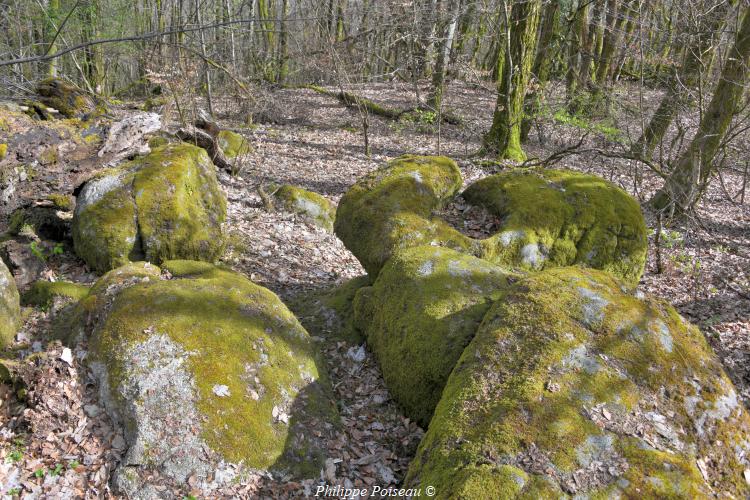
x=691 y=174
x=504 y=137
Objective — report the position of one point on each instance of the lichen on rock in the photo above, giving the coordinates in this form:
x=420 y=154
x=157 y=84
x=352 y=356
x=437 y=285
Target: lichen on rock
x=314 y=207
x=10 y=309
x=418 y=317
x=553 y=218
x=574 y=387
x=162 y=341
x=162 y=206
x=391 y=209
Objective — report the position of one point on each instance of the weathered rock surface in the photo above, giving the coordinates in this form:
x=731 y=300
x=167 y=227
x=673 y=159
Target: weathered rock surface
x=553 y=218
x=549 y=218
x=420 y=314
x=573 y=387
x=129 y=136
x=24 y=259
x=391 y=209
x=314 y=207
x=162 y=206
x=209 y=374
x=10 y=309
x=49 y=218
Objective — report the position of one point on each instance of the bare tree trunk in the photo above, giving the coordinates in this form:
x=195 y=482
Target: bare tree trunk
x=438 y=75
x=692 y=172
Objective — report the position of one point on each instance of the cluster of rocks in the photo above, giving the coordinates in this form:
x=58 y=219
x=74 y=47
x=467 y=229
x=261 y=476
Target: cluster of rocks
x=537 y=368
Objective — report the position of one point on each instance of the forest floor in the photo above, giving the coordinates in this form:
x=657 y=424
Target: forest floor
x=63 y=444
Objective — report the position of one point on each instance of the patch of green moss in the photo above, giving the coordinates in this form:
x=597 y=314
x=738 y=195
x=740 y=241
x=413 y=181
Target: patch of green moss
x=555 y=349
x=233 y=144
x=42 y=293
x=3 y=151
x=157 y=142
x=553 y=218
x=420 y=314
x=318 y=209
x=49 y=156
x=64 y=97
x=61 y=201
x=234 y=331
x=162 y=206
x=10 y=309
x=391 y=209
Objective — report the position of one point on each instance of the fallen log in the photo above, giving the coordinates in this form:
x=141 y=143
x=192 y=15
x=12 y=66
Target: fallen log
x=205 y=140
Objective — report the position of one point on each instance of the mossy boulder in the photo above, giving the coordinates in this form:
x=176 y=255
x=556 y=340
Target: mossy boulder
x=208 y=373
x=45 y=293
x=68 y=99
x=574 y=387
x=10 y=309
x=391 y=209
x=553 y=218
x=418 y=317
x=233 y=144
x=162 y=206
x=314 y=207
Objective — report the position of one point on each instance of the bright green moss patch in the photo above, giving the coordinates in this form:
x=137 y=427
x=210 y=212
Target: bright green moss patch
x=226 y=333
x=391 y=209
x=61 y=201
x=3 y=151
x=10 y=309
x=42 y=293
x=233 y=144
x=562 y=370
x=553 y=218
x=163 y=206
x=420 y=314
x=316 y=208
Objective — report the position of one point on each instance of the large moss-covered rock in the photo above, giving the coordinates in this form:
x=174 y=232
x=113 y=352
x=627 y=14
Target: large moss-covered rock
x=233 y=144
x=572 y=386
x=69 y=100
x=204 y=369
x=422 y=311
x=162 y=206
x=316 y=208
x=391 y=209
x=553 y=218
x=10 y=309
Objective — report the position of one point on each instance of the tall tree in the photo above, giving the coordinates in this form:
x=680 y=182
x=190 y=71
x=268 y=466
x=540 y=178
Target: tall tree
x=702 y=41
x=452 y=8
x=690 y=175
x=504 y=137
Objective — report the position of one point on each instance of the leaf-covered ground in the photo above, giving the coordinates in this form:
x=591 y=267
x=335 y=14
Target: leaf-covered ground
x=61 y=443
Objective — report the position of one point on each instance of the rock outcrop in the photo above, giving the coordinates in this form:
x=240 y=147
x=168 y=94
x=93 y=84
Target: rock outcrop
x=10 y=309
x=210 y=375
x=572 y=386
x=315 y=208
x=163 y=206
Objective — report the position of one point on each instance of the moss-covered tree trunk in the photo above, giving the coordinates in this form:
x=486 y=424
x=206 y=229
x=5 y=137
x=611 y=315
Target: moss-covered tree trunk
x=283 y=57
x=504 y=138
x=692 y=172
x=448 y=30
x=542 y=64
x=614 y=23
x=697 y=58
x=578 y=35
x=50 y=32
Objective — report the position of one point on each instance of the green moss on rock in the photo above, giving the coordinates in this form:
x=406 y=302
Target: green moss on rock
x=3 y=151
x=162 y=206
x=418 y=317
x=316 y=208
x=43 y=293
x=10 y=309
x=391 y=209
x=69 y=100
x=553 y=218
x=233 y=144
x=205 y=357
x=585 y=389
